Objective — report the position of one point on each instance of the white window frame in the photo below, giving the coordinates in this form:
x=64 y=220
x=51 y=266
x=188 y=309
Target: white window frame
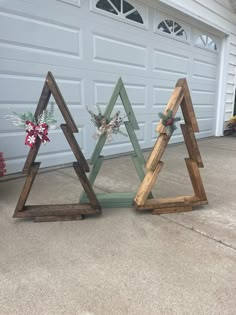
x=71 y=2
x=142 y=10
x=197 y=33
x=159 y=17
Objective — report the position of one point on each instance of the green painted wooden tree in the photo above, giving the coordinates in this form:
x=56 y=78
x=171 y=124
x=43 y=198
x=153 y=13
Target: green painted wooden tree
x=117 y=199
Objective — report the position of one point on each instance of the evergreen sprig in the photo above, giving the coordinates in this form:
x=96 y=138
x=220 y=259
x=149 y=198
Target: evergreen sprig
x=168 y=121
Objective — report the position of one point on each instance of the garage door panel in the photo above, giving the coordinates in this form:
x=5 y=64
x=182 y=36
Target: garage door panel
x=114 y=51
x=205 y=124
x=137 y=94
x=204 y=111
x=35 y=35
x=161 y=96
x=203 y=98
x=22 y=84
x=204 y=70
x=170 y=62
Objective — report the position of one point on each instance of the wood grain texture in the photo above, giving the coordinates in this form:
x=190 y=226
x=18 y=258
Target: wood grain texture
x=48 y=213
x=157 y=152
x=32 y=211
x=27 y=187
x=87 y=186
x=180 y=97
x=42 y=105
x=172 y=210
x=75 y=147
x=173 y=104
x=58 y=218
x=187 y=106
x=51 y=82
x=196 y=179
x=191 y=144
x=147 y=185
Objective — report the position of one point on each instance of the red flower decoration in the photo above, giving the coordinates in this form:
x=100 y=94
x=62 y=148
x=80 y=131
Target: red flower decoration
x=2 y=165
x=36 y=131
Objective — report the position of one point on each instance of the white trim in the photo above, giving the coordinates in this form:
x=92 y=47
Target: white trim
x=143 y=11
x=222 y=85
x=71 y=2
x=167 y=5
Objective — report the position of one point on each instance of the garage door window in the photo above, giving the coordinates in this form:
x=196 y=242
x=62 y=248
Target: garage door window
x=206 y=41
x=173 y=28
x=120 y=8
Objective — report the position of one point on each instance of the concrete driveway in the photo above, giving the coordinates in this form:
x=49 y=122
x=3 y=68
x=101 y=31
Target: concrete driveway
x=124 y=262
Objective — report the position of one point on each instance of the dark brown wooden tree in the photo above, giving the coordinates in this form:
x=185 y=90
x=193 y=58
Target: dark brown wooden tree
x=180 y=97
x=56 y=212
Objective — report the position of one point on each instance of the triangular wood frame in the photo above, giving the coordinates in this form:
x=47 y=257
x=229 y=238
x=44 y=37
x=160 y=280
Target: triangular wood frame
x=180 y=97
x=118 y=199
x=58 y=212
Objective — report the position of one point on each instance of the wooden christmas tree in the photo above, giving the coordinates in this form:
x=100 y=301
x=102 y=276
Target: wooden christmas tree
x=180 y=97
x=118 y=199
x=56 y=212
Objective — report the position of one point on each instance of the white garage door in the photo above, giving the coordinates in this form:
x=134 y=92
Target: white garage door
x=88 y=46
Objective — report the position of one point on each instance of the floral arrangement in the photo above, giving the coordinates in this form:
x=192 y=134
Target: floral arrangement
x=2 y=165
x=106 y=126
x=169 y=121
x=232 y=123
x=36 y=128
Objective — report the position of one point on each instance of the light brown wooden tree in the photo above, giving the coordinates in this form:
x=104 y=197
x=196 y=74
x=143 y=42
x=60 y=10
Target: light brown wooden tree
x=180 y=97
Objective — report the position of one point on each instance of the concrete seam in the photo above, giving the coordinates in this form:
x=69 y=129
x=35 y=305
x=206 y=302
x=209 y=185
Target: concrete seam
x=211 y=237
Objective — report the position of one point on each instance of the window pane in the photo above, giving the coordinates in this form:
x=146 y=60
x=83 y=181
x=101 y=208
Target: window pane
x=117 y=4
x=162 y=27
x=177 y=27
x=135 y=16
x=127 y=7
x=105 y=5
x=170 y=24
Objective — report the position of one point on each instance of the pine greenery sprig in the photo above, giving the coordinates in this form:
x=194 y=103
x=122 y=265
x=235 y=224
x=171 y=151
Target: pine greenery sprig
x=168 y=121
x=47 y=117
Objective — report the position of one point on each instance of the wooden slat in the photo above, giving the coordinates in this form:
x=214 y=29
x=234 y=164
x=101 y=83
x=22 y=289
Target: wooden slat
x=92 y=176
x=31 y=156
x=128 y=108
x=42 y=105
x=160 y=203
x=180 y=201
x=43 y=100
x=172 y=210
x=114 y=199
x=61 y=102
x=113 y=99
x=75 y=147
x=191 y=144
x=135 y=143
x=187 y=106
x=157 y=152
x=147 y=185
x=87 y=186
x=139 y=170
x=98 y=149
x=27 y=187
x=55 y=210
x=58 y=218
x=173 y=104
x=196 y=179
